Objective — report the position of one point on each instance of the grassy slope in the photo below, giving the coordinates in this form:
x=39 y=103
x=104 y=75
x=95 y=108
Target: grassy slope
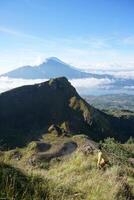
x=16 y=185
x=76 y=176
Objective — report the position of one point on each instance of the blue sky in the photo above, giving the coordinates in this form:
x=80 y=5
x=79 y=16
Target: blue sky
x=94 y=34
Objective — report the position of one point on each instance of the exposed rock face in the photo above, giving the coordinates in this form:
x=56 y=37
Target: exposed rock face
x=88 y=147
x=56 y=129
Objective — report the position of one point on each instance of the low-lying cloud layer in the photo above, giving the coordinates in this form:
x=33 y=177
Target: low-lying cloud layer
x=10 y=83
x=80 y=84
x=84 y=86
x=123 y=74
x=88 y=83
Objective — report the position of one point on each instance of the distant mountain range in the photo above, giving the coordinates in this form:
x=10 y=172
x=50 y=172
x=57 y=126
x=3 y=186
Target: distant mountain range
x=51 y=68
x=27 y=112
x=54 y=67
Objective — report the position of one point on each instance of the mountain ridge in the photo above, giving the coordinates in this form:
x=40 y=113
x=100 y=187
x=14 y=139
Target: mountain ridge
x=28 y=111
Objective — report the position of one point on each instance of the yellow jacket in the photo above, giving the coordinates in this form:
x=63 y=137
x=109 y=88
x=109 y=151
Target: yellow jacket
x=102 y=157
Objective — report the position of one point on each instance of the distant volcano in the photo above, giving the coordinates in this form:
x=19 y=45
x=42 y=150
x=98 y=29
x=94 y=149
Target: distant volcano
x=51 y=68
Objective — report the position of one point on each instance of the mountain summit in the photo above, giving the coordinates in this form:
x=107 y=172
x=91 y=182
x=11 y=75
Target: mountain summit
x=27 y=112
x=52 y=67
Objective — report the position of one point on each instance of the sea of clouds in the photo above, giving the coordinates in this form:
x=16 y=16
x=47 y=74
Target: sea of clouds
x=85 y=86
x=10 y=83
x=82 y=85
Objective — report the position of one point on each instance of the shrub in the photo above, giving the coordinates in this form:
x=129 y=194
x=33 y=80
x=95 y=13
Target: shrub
x=117 y=153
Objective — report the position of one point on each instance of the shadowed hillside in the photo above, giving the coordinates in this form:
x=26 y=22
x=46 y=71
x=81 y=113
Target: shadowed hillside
x=28 y=111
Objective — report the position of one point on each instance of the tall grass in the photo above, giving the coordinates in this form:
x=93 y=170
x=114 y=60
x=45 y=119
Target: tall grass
x=15 y=185
x=79 y=179
x=73 y=177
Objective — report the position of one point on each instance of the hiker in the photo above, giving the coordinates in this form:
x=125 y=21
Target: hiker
x=102 y=159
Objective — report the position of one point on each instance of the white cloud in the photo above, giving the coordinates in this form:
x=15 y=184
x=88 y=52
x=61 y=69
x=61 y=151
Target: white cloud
x=117 y=72
x=91 y=82
x=83 y=86
x=20 y=34
x=14 y=32
x=10 y=83
x=128 y=40
x=9 y=31
x=129 y=87
x=93 y=86
x=80 y=84
x=123 y=74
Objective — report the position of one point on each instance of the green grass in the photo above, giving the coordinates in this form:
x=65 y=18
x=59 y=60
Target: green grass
x=72 y=177
x=15 y=185
x=79 y=176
